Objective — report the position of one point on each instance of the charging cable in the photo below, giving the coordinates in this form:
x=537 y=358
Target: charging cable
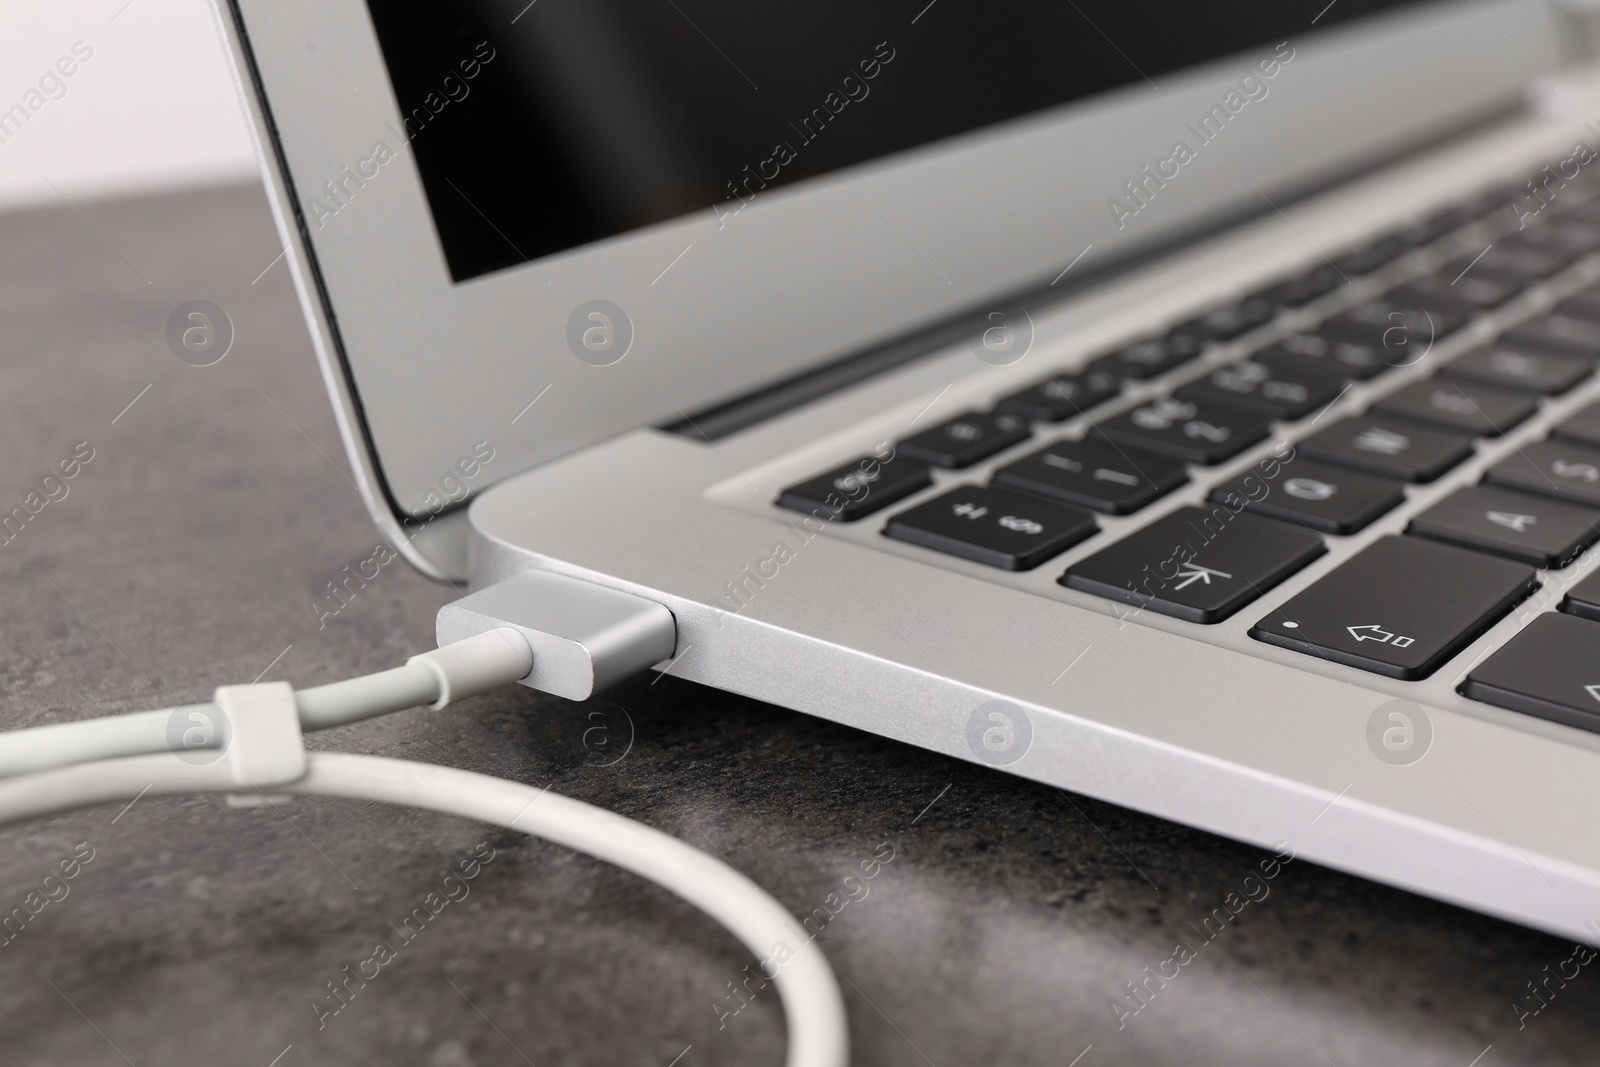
x=591 y=635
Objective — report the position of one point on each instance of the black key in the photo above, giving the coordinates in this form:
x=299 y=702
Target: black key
x=1554 y=468
x=1368 y=258
x=1331 y=499
x=1476 y=293
x=1400 y=607
x=1520 y=370
x=1568 y=237
x=1409 y=453
x=1535 y=241
x=1196 y=564
x=856 y=489
x=1184 y=430
x=1584 y=601
x=1257 y=389
x=1426 y=231
x=1561 y=334
x=993 y=526
x=1584 y=427
x=1584 y=304
x=1501 y=200
x=1094 y=476
x=965 y=439
x=1226 y=323
x=1062 y=397
x=1463 y=406
x=1310 y=355
x=1403 y=333
x=1536 y=530
x=1302 y=289
x=1455 y=218
x=1506 y=263
x=1550 y=669
x=1435 y=226
x=1148 y=358
x=1442 y=301
x=1587 y=213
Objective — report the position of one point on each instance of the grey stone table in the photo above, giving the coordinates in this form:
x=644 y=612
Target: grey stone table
x=191 y=550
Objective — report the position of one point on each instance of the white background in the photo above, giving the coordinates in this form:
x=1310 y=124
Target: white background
x=155 y=108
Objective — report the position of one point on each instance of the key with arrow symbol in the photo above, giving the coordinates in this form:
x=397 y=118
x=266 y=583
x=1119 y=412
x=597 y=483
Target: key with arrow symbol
x=1192 y=573
x=1400 y=607
x=1157 y=568
x=1548 y=669
x=1372 y=632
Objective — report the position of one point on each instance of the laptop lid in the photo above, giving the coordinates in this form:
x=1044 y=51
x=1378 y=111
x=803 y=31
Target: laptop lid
x=519 y=227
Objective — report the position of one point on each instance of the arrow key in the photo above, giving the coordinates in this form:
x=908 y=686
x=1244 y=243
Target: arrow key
x=1196 y=564
x=1551 y=669
x=1400 y=607
x=1536 y=530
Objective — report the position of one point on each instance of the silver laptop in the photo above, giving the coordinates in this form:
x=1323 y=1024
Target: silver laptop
x=1193 y=408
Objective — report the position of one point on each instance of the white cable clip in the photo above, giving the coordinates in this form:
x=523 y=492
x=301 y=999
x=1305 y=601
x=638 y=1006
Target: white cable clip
x=265 y=746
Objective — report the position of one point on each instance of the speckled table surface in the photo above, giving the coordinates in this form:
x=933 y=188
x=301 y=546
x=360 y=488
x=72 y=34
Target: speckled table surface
x=190 y=551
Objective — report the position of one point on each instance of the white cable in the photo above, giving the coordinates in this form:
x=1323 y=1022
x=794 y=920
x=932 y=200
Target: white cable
x=340 y=703
x=813 y=1008
x=61 y=744
x=256 y=731
x=433 y=679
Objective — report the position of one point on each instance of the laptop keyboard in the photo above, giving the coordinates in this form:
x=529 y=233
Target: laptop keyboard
x=1402 y=606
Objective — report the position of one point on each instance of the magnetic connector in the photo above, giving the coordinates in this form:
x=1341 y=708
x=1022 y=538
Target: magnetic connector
x=584 y=637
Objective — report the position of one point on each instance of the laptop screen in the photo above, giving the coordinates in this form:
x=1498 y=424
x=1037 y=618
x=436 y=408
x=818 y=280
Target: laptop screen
x=543 y=125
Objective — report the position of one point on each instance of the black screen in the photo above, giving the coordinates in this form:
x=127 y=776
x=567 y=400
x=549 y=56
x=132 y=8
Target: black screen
x=542 y=126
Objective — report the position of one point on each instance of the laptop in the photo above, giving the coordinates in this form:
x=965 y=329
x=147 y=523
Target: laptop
x=1192 y=408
